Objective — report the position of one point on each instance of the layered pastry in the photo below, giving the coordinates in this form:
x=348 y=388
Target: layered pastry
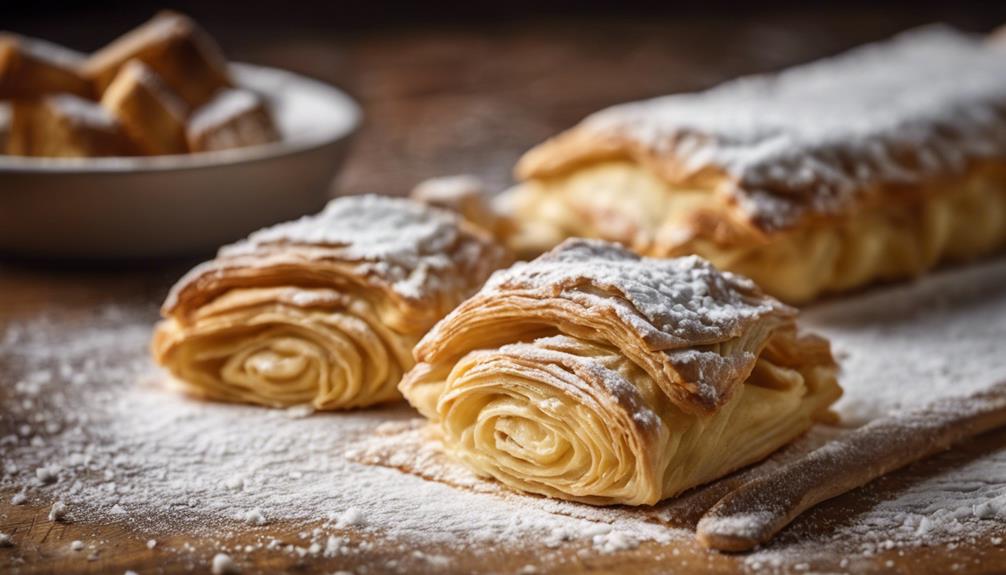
x=30 y=68
x=323 y=310
x=152 y=115
x=65 y=126
x=174 y=46
x=873 y=165
x=596 y=375
x=165 y=85
x=232 y=119
x=466 y=195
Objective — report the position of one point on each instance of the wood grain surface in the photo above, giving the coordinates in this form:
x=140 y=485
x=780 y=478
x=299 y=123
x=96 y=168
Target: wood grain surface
x=470 y=99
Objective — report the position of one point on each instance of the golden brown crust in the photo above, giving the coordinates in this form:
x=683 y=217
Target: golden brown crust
x=152 y=115
x=421 y=261
x=323 y=310
x=175 y=47
x=658 y=312
x=803 y=188
x=31 y=68
x=594 y=375
x=65 y=126
x=781 y=151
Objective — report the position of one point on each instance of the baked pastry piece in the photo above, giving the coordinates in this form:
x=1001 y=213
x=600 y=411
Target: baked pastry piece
x=232 y=119
x=150 y=113
x=66 y=126
x=465 y=195
x=30 y=68
x=175 y=47
x=595 y=375
x=873 y=165
x=322 y=310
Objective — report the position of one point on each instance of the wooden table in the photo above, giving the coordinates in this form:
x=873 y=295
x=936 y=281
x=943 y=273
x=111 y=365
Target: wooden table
x=470 y=99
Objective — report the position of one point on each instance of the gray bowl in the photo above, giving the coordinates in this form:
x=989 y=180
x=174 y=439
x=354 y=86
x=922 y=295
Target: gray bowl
x=175 y=205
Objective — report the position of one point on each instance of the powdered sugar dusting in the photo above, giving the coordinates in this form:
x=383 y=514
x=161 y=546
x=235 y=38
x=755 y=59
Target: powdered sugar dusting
x=129 y=450
x=674 y=306
x=224 y=107
x=414 y=247
x=82 y=402
x=682 y=302
x=83 y=112
x=427 y=259
x=810 y=140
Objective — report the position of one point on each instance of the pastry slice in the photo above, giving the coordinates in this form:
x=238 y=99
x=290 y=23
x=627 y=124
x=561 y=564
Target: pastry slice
x=873 y=165
x=232 y=119
x=30 y=68
x=152 y=115
x=172 y=45
x=323 y=310
x=465 y=195
x=63 y=125
x=595 y=375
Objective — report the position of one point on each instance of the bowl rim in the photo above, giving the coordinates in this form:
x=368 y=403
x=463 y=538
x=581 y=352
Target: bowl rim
x=175 y=162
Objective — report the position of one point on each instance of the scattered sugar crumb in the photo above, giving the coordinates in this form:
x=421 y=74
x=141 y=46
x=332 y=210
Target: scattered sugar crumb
x=76 y=545
x=58 y=511
x=223 y=565
x=255 y=517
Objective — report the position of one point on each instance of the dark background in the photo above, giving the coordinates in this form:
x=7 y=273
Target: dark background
x=450 y=87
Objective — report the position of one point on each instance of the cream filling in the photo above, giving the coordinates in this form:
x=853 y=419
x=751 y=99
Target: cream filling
x=624 y=202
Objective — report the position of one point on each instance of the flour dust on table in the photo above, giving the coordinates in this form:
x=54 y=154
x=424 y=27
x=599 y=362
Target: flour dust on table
x=86 y=428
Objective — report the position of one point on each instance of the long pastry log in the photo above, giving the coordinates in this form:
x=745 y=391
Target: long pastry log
x=594 y=375
x=323 y=310
x=873 y=165
x=755 y=512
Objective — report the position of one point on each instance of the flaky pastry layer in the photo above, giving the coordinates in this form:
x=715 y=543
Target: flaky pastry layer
x=872 y=165
x=596 y=376
x=324 y=310
x=953 y=219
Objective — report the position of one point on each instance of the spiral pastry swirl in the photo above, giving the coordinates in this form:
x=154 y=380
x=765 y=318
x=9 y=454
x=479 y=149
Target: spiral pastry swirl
x=594 y=375
x=324 y=310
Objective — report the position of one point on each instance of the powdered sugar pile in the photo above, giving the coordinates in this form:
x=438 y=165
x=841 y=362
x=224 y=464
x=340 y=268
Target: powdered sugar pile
x=85 y=424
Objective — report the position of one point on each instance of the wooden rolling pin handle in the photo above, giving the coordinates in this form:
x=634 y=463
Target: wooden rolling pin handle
x=755 y=512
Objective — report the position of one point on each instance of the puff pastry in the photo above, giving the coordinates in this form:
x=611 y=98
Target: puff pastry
x=232 y=119
x=30 y=68
x=595 y=375
x=151 y=114
x=465 y=195
x=873 y=165
x=323 y=310
x=65 y=126
x=175 y=47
